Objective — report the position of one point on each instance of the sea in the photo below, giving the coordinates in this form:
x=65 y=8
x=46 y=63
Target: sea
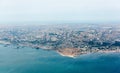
x=30 y=60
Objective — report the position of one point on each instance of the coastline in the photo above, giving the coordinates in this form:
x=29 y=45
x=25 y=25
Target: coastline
x=78 y=53
x=73 y=52
x=66 y=55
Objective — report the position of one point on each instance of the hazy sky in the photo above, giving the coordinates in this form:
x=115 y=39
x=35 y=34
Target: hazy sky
x=59 y=11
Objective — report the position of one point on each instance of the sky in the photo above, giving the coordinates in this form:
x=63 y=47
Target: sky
x=68 y=11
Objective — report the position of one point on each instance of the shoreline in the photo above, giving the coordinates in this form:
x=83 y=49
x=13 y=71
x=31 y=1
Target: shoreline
x=74 y=54
x=71 y=56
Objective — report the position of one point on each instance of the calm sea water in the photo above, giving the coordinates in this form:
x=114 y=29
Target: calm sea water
x=27 y=60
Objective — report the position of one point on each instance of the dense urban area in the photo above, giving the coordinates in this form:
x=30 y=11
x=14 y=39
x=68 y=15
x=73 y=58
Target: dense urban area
x=73 y=39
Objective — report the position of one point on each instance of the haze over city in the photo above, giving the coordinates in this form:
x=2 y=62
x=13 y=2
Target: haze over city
x=59 y=11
